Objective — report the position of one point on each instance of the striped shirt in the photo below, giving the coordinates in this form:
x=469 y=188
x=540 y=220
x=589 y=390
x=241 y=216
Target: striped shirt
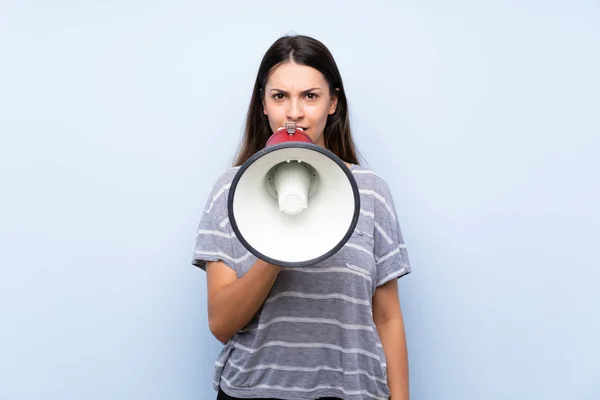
x=314 y=336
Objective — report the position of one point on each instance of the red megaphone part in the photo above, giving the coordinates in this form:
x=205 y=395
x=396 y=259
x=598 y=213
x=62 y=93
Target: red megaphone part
x=287 y=134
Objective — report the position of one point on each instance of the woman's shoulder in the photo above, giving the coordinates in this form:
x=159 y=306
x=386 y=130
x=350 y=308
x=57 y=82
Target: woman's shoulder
x=225 y=178
x=217 y=197
x=368 y=179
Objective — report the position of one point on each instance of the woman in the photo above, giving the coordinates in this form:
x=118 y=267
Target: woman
x=329 y=331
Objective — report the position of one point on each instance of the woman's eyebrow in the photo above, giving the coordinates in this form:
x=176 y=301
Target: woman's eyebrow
x=303 y=92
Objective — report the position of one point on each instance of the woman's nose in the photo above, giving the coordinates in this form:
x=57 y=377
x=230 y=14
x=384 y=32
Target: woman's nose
x=295 y=111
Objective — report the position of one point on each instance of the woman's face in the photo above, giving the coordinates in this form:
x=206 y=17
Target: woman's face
x=300 y=94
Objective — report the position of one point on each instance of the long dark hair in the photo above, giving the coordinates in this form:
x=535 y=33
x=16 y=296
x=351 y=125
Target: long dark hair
x=307 y=51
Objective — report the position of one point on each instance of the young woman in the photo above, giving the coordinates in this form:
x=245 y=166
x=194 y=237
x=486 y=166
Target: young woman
x=328 y=331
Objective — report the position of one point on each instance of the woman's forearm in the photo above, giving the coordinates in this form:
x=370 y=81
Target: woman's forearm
x=393 y=339
x=234 y=305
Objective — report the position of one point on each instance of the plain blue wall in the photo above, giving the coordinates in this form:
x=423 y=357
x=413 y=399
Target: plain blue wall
x=116 y=118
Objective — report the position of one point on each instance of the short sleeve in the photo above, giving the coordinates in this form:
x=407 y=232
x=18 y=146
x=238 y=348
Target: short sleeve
x=214 y=238
x=391 y=256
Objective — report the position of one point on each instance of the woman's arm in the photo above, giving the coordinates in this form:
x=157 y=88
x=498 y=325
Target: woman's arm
x=232 y=302
x=387 y=316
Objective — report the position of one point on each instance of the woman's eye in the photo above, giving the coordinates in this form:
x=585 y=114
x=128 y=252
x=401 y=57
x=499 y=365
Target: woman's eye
x=281 y=96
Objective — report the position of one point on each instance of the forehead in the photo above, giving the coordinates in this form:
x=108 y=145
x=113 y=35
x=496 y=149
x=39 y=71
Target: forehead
x=291 y=76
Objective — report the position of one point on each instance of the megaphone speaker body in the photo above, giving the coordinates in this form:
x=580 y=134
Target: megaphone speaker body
x=293 y=203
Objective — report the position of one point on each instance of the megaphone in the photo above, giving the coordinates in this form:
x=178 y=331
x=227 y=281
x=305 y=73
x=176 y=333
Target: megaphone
x=293 y=203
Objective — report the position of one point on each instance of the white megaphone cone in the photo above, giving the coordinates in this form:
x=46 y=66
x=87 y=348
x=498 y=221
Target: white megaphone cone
x=293 y=203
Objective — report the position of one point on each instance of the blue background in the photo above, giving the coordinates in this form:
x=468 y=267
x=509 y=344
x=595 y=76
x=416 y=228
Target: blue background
x=117 y=117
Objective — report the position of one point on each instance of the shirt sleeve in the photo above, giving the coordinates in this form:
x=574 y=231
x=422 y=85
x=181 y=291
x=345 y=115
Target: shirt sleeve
x=390 y=252
x=214 y=237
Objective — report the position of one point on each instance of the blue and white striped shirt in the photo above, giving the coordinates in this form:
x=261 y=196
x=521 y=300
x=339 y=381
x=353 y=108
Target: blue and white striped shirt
x=314 y=336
